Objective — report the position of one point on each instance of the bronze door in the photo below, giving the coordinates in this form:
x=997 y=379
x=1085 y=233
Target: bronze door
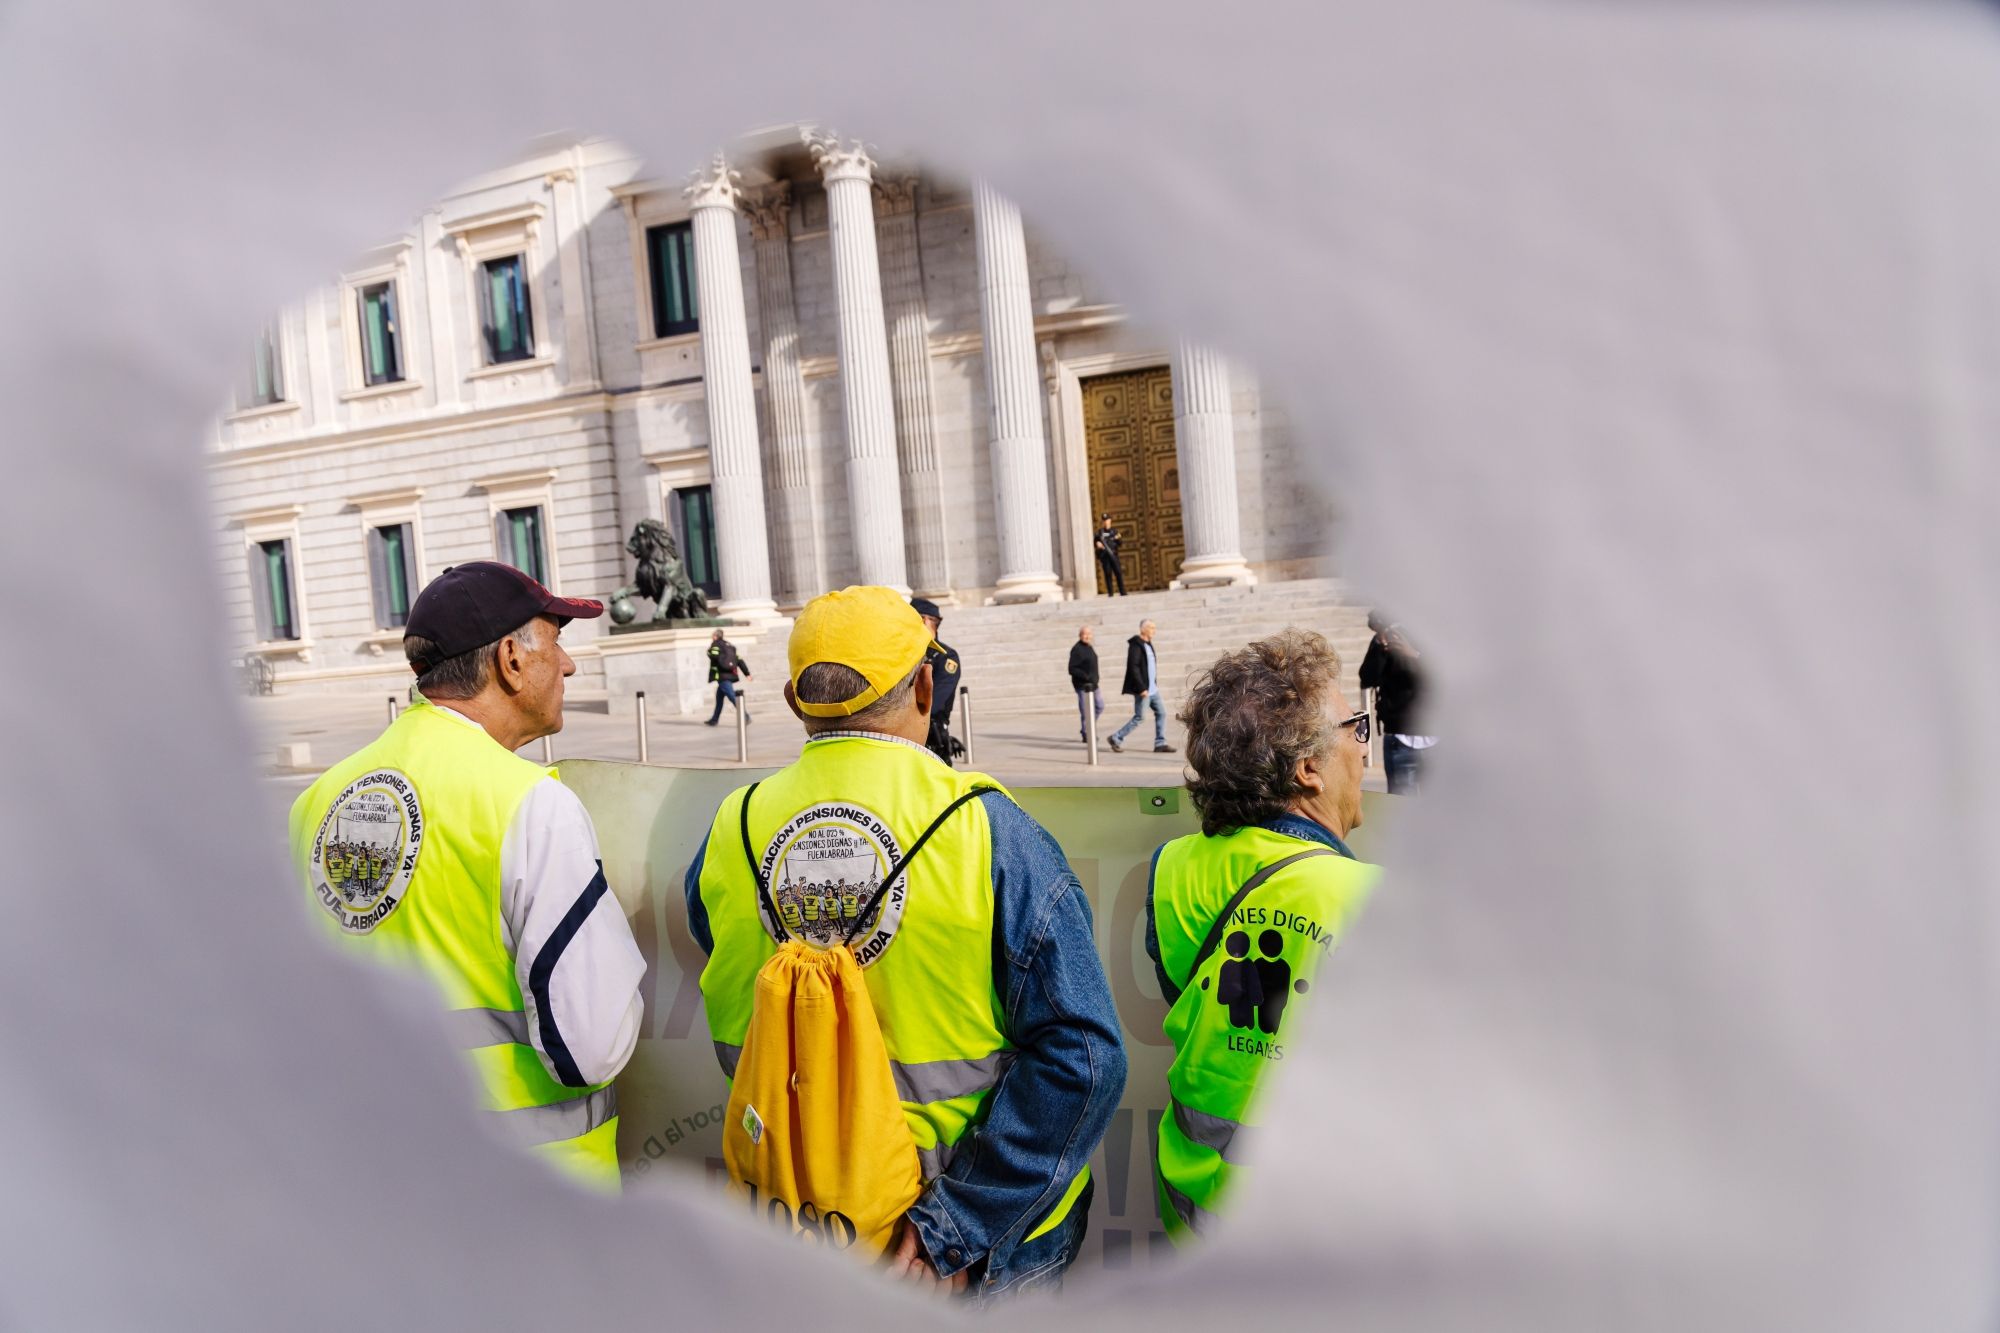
x=1128 y=431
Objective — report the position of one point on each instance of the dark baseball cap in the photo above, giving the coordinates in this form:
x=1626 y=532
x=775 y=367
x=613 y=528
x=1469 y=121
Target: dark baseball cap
x=471 y=605
x=924 y=606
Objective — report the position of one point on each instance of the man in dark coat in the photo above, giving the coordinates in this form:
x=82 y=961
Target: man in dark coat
x=1390 y=669
x=725 y=667
x=944 y=682
x=1107 y=557
x=1142 y=682
x=1083 y=677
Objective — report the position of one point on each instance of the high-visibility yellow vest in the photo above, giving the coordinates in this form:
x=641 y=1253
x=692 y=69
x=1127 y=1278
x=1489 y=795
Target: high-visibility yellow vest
x=399 y=845
x=826 y=830
x=1234 y=1012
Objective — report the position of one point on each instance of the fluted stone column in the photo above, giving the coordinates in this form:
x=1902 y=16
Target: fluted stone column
x=794 y=532
x=1205 y=448
x=1013 y=392
x=910 y=368
x=737 y=471
x=873 y=489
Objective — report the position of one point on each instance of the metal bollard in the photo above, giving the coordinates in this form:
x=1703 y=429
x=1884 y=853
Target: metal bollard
x=742 y=727
x=393 y=710
x=548 y=752
x=1374 y=746
x=965 y=714
x=1090 y=711
x=643 y=752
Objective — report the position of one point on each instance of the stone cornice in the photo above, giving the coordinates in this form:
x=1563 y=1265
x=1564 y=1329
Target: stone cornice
x=448 y=422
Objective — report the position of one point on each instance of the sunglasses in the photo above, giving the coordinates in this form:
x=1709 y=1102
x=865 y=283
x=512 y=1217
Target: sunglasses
x=1360 y=724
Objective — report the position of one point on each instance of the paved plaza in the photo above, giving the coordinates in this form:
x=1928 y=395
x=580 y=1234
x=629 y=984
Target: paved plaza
x=1029 y=749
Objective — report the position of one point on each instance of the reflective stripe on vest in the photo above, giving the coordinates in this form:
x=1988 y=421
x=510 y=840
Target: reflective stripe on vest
x=932 y=982
x=1235 y=1014
x=446 y=921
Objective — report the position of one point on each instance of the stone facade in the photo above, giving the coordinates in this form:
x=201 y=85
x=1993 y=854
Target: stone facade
x=604 y=421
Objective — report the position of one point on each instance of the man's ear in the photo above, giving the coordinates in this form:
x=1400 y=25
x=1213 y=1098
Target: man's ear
x=925 y=690
x=510 y=664
x=792 y=702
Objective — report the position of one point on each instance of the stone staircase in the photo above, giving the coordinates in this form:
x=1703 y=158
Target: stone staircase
x=1016 y=657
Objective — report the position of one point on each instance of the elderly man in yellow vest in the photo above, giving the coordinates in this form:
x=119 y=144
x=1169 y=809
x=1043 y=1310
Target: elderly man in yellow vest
x=1240 y=915
x=979 y=959
x=437 y=847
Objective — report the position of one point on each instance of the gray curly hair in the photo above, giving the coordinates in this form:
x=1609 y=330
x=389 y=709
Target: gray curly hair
x=1251 y=717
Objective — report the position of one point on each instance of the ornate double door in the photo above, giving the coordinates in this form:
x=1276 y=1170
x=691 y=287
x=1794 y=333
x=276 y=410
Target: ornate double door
x=1128 y=430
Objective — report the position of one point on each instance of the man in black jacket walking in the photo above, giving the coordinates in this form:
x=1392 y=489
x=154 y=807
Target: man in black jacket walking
x=1142 y=682
x=725 y=668
x=1390 y=669
x=1083 y=676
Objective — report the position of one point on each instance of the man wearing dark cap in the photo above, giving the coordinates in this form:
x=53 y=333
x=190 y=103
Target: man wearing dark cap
x=438 y=848
x=944 y=672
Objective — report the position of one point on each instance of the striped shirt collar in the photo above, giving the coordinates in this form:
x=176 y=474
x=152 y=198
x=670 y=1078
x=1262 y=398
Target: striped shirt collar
x=1298 y=826
x=871 y=736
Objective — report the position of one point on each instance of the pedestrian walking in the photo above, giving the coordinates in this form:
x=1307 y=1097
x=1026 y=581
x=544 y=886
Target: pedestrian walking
x=1083 y=678
x=1107 y=558
x=439 y=849
x=1142 y=682
x=1390 y=668
x=725 y=667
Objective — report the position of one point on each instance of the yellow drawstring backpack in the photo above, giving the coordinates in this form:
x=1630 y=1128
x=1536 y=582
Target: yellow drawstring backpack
x=815 y=1132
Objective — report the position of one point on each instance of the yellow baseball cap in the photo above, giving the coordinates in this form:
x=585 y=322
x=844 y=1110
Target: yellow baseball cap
x=874 y=631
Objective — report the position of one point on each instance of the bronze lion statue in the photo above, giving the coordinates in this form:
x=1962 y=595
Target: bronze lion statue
x=662 y=578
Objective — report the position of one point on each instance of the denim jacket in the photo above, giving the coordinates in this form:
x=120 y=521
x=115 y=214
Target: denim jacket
x=1055 y=1100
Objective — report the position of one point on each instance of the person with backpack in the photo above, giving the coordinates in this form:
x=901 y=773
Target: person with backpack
x=923 y=1073
x=725 y=667
x=1240 y=916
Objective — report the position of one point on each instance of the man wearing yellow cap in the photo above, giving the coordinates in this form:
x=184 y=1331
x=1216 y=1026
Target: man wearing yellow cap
x=979 y=957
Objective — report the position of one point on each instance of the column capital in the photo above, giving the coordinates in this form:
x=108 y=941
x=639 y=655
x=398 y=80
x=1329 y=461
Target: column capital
x=895 y=194
x=769 y=211
x=715 y=185
x=840 y=159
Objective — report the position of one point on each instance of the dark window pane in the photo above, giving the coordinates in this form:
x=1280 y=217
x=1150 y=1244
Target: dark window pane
x=503 y=309
x=277 y=590
x=521 y=538
x=670 y=261
x=697 y=514
x=267 y=379
x=381 y=348
x=389 y=563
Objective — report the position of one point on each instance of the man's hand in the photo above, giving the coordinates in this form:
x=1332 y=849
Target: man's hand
x=907 y=1262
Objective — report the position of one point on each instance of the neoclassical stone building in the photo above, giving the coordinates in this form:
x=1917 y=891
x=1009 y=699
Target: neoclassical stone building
x=816 y=366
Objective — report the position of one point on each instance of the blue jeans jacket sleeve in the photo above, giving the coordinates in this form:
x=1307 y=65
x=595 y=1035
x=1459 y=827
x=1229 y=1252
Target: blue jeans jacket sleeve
x=1056 y=1098
x=697 y=909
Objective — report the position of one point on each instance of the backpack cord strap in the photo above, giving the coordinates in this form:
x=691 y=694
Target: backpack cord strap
x=756 y=871
x=903 y=862
x=1215 y=932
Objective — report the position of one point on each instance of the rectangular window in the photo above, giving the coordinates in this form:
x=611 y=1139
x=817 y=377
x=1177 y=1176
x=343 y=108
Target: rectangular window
x=697 y=523
x=670 y=256
x=381 y=341
x=272 y=590
x=267 y=375
x=504 y=315
x=392 y=570
x=520 y=539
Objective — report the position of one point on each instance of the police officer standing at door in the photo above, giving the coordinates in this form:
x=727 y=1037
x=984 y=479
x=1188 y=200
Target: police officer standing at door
x=945 y=677
x=1107 y=557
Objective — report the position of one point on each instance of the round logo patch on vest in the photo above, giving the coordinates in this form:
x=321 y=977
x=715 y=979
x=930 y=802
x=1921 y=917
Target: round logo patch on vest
x=823 y=868
x=366 y=849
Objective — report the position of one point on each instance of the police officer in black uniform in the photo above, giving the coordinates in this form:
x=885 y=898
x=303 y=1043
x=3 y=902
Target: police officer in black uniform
x=1107 y=559
x=944 y=683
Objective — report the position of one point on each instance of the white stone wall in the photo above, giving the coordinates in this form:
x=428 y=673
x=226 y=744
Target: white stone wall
x=615 y=411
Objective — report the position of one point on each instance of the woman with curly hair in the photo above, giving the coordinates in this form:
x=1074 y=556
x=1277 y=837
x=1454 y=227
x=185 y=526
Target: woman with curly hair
x=1239 y=916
